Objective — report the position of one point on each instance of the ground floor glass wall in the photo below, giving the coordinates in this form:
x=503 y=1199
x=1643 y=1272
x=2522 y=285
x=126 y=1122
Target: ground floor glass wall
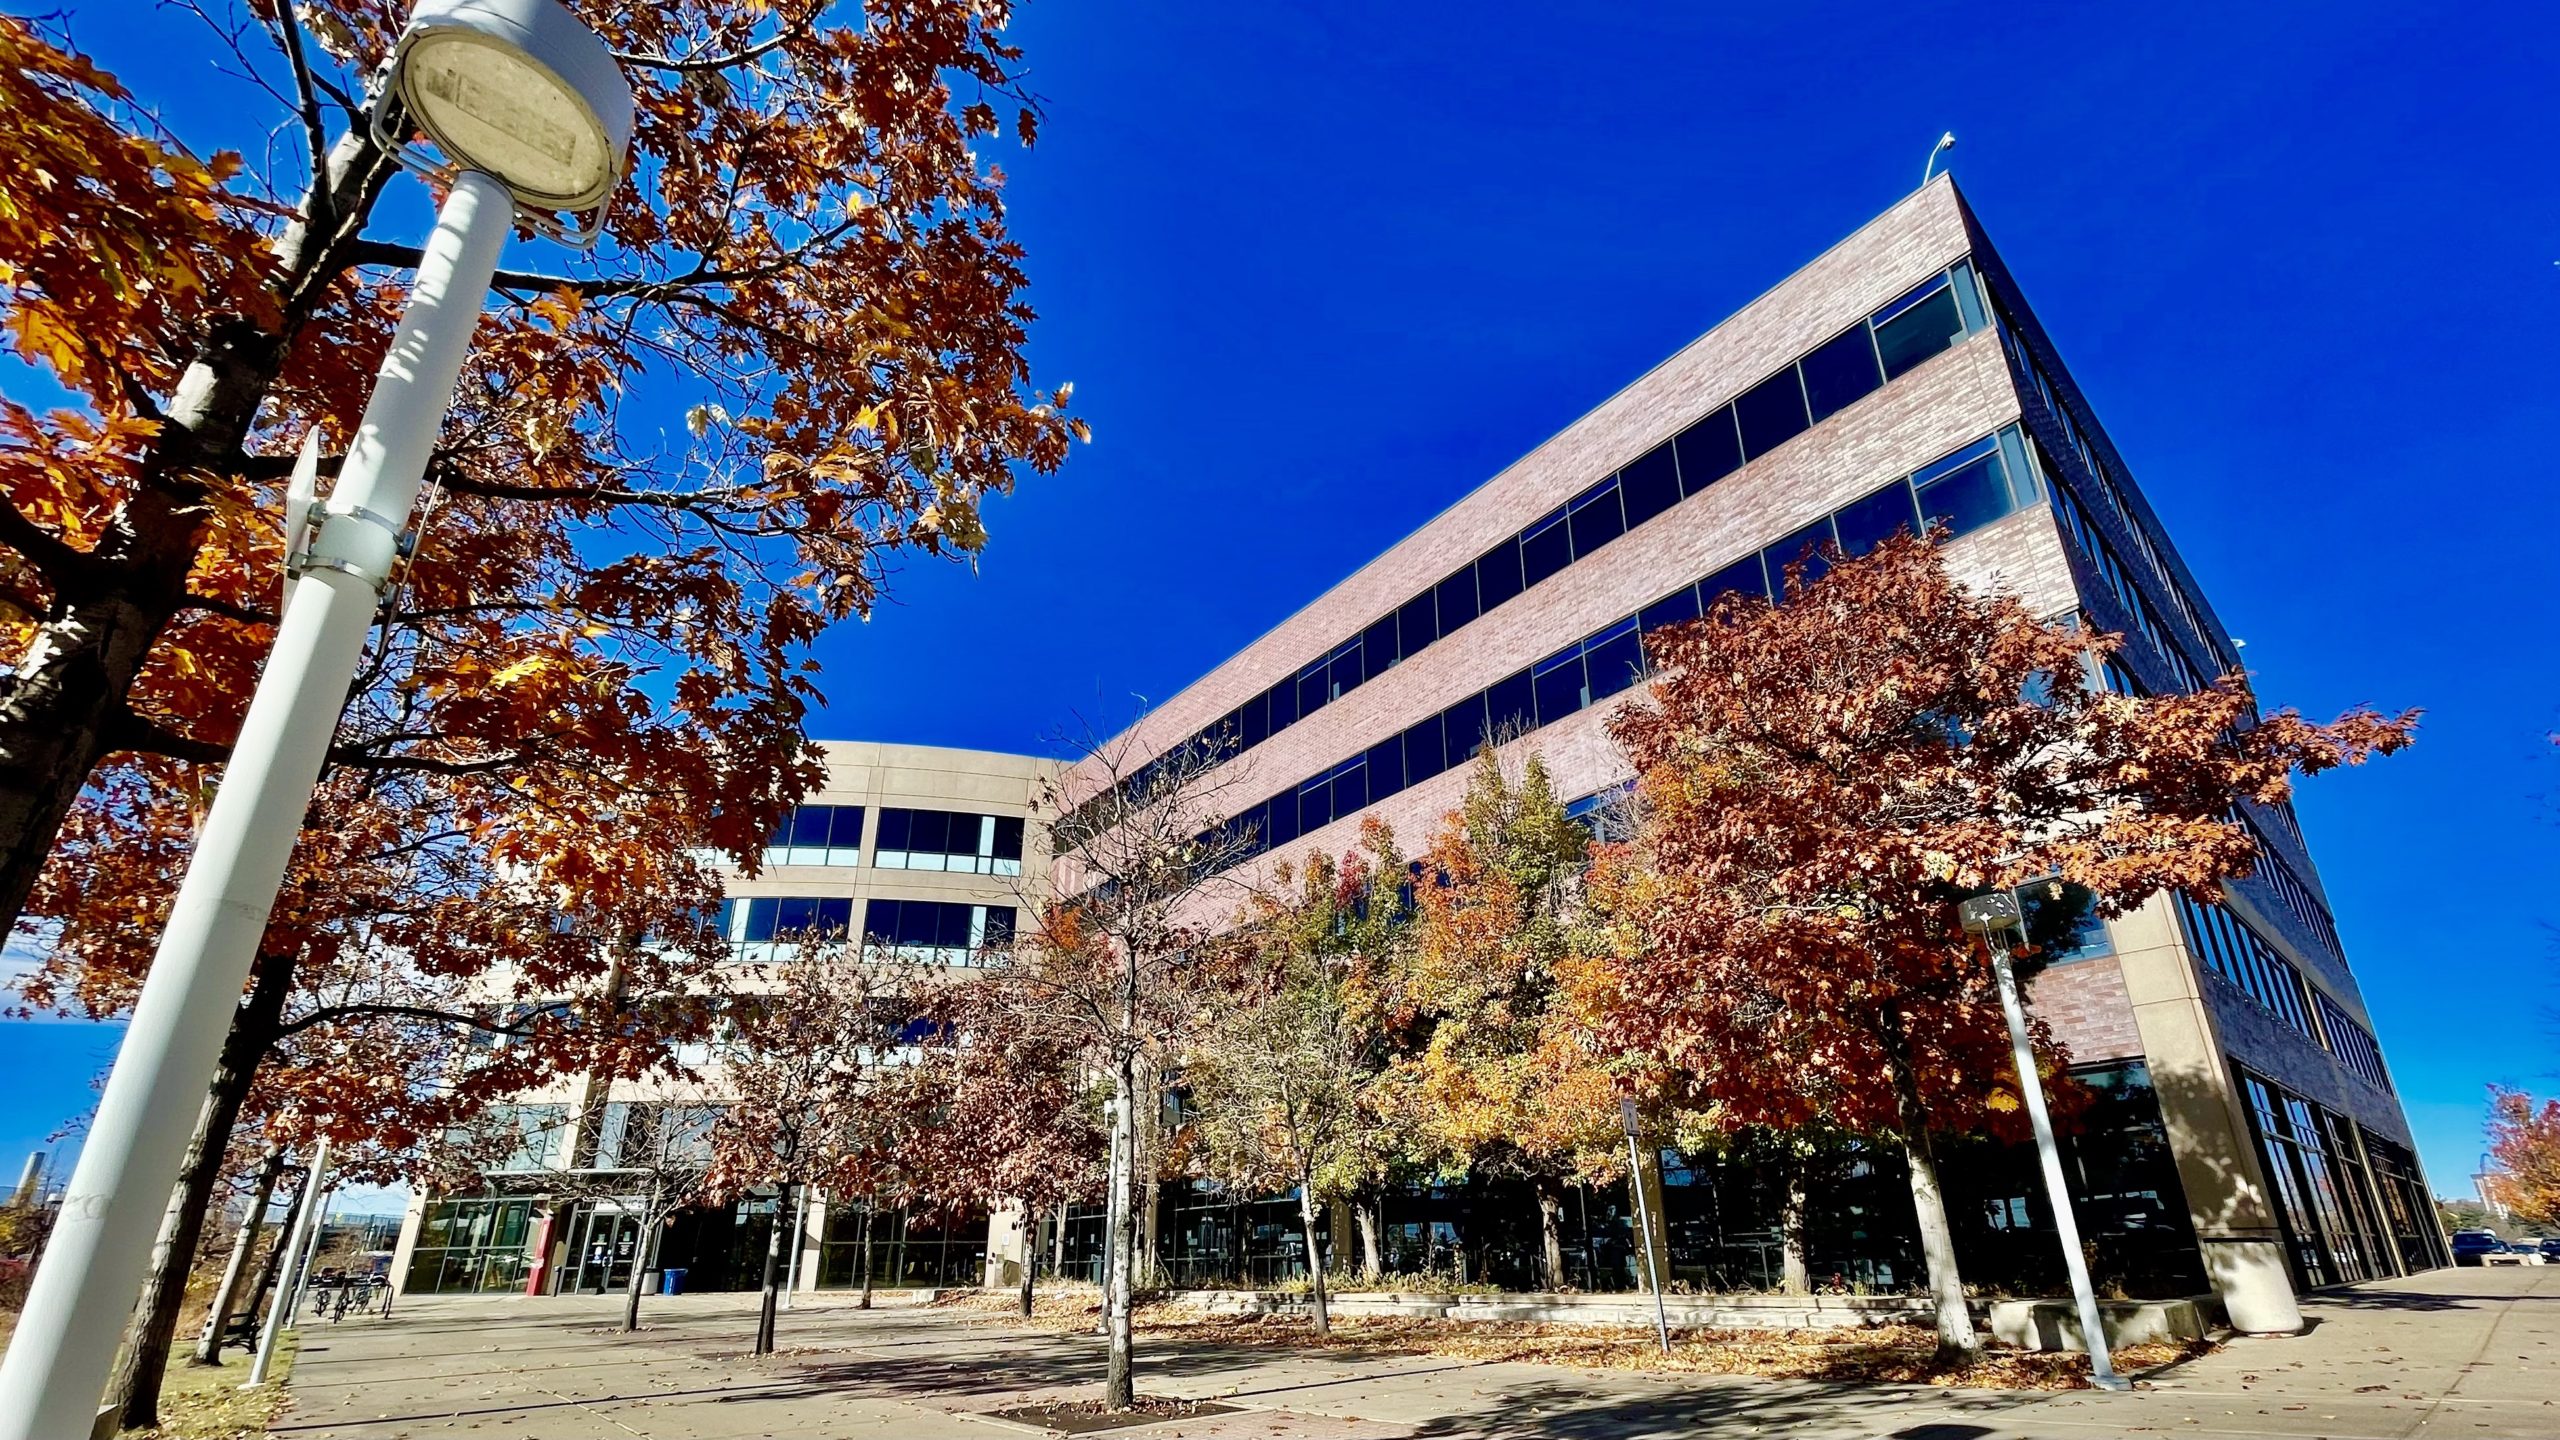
x=472 y=1245
x=924 y=1250
x=2343 y=1219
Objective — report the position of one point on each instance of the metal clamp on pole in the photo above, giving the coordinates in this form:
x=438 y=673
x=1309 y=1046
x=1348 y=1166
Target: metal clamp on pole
x=355 y=541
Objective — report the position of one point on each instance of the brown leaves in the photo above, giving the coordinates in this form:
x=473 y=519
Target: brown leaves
x=1823 y=779
x=2524 y=1142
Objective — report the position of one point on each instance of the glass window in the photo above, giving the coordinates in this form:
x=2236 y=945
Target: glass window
x=1462 y=729
x=1284 y=821
x=1497 y=575
x=1841 y=373
x=1385 y=763
x=1967 y=497
x=1378 y=648
x=1742 y=577
x=1968 y=295
x=1456 y=599
x=1771 y=413
x=1867 y=523
x=846 y=832
x=2062 y=921
x=1614 y=661
x=1597 y=519
x=1425 y=755
x=1922 y=324
x=1547 y=547
x=1511 y=706
x=1315 y=687
x=1709 y=450
x=1670 y=610
x=1559 y=686
x=1008 y=837
x=1283 y=702
x=1416 y=626
x=1801 y=552
x=1650 y=486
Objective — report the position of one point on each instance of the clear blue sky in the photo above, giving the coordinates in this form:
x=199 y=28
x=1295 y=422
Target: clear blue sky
x=1318 y=269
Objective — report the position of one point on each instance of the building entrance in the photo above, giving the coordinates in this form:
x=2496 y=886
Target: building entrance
x=604 y=1243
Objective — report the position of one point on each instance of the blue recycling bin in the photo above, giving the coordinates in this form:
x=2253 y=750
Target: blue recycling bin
x=671 y=1280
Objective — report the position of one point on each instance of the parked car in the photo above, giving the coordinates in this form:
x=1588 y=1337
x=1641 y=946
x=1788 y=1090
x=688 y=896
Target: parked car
x=2513 y=1252
x=2550 y=1248
x=2471 y=1247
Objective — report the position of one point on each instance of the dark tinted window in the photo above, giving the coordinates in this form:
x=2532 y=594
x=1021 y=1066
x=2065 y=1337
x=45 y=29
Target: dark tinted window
x=1558 y=683
x=1315 y=688
x=1547 y=548
x=1742 y=577
x=1671 y=609
x=1596 y=518
x=1386 y=769
x=1462 y=730
x=1650 y=486
x=1497 y=575
x=1283 y=700
x=1414 y=626
x=1802 y=550
x=1869 y=522
x=846 y=833
x=1708 y=451
x=893 y=828
x=1770 y=413
x=1378 y=648
x=1511 y=705
x=1456 y=597
x=1008 y=837
x=1921 y=325
x=1841 y=372
x=1424 y=754
x=1614 y=662
x=1253 y=723
x=1283 y=826
x=1967 y=497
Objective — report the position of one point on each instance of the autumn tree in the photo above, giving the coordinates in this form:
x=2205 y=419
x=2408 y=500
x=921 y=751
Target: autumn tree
x=1482 y=1083
x=992 y=1106
x=2524 y=1148
x=810 y=265
x=1277 y=1076
x=1114 y=962
x=398 y=950
x=1824 y=778
x=805 y=1043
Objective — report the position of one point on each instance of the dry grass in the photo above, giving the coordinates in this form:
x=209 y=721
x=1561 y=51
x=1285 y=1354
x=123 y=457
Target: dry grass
x=1893 y=1354
x=206 y=1402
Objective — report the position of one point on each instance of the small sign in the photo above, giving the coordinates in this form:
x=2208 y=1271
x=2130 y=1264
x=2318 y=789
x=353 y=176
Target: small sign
x=1627 y=1115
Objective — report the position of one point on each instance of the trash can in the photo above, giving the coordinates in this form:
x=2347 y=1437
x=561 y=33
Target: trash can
x=672 y=1283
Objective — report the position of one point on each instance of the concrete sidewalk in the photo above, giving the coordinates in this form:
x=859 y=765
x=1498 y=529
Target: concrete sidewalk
x=2456 y=1352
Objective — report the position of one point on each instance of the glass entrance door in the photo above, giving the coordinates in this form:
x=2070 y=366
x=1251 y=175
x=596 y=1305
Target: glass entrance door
x=604 y=1243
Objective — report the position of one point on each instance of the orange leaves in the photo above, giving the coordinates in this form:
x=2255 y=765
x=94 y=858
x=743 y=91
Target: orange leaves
x=2524 y=1144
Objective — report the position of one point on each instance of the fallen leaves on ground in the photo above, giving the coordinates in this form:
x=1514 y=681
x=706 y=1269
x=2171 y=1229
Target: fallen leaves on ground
x=1884 y=1355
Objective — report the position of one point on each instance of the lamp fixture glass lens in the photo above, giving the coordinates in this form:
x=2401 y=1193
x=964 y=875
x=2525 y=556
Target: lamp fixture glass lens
x=495 y=110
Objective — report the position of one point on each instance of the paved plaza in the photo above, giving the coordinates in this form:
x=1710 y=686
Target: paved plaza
x=2452 y=1353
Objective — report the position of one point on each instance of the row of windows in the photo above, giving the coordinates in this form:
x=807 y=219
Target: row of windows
x=927 y=924
x=2278 y=873
x=948 y=840
x=2234 y=951
x=2128 y=596
x=1930 y=318
x=2094 y=465
x=817 y=835
x=1964 y=491
x=908 y=840
x=2352 y=1043
x=2239 y=954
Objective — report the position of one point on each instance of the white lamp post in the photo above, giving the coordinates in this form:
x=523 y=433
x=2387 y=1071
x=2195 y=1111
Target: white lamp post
x=529 y=107
x=1992 y=917
x=1644 y=1223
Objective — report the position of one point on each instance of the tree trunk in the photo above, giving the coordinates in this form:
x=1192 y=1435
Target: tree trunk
x=1956 y=1338
x=208 y=1349
x=1551 y=1228
x=273 y=1266
x=1315 y=1253
x=1364 y=1214
x=134 y=1388
x=62 y=706
x=641 y=1255
x=1121 y=1253
x=772 y=1273
x=1795 y=1277
x=866 y=1255
x=1030 y=1251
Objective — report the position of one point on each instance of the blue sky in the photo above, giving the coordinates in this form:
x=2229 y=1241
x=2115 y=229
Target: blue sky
x=1318 y=269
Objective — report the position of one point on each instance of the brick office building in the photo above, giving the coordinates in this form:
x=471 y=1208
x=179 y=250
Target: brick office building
x=2247 y=1135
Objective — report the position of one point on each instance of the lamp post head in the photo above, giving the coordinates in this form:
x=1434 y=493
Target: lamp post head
x=521 y=90
x=1627 y=1116
x=1986 y=914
